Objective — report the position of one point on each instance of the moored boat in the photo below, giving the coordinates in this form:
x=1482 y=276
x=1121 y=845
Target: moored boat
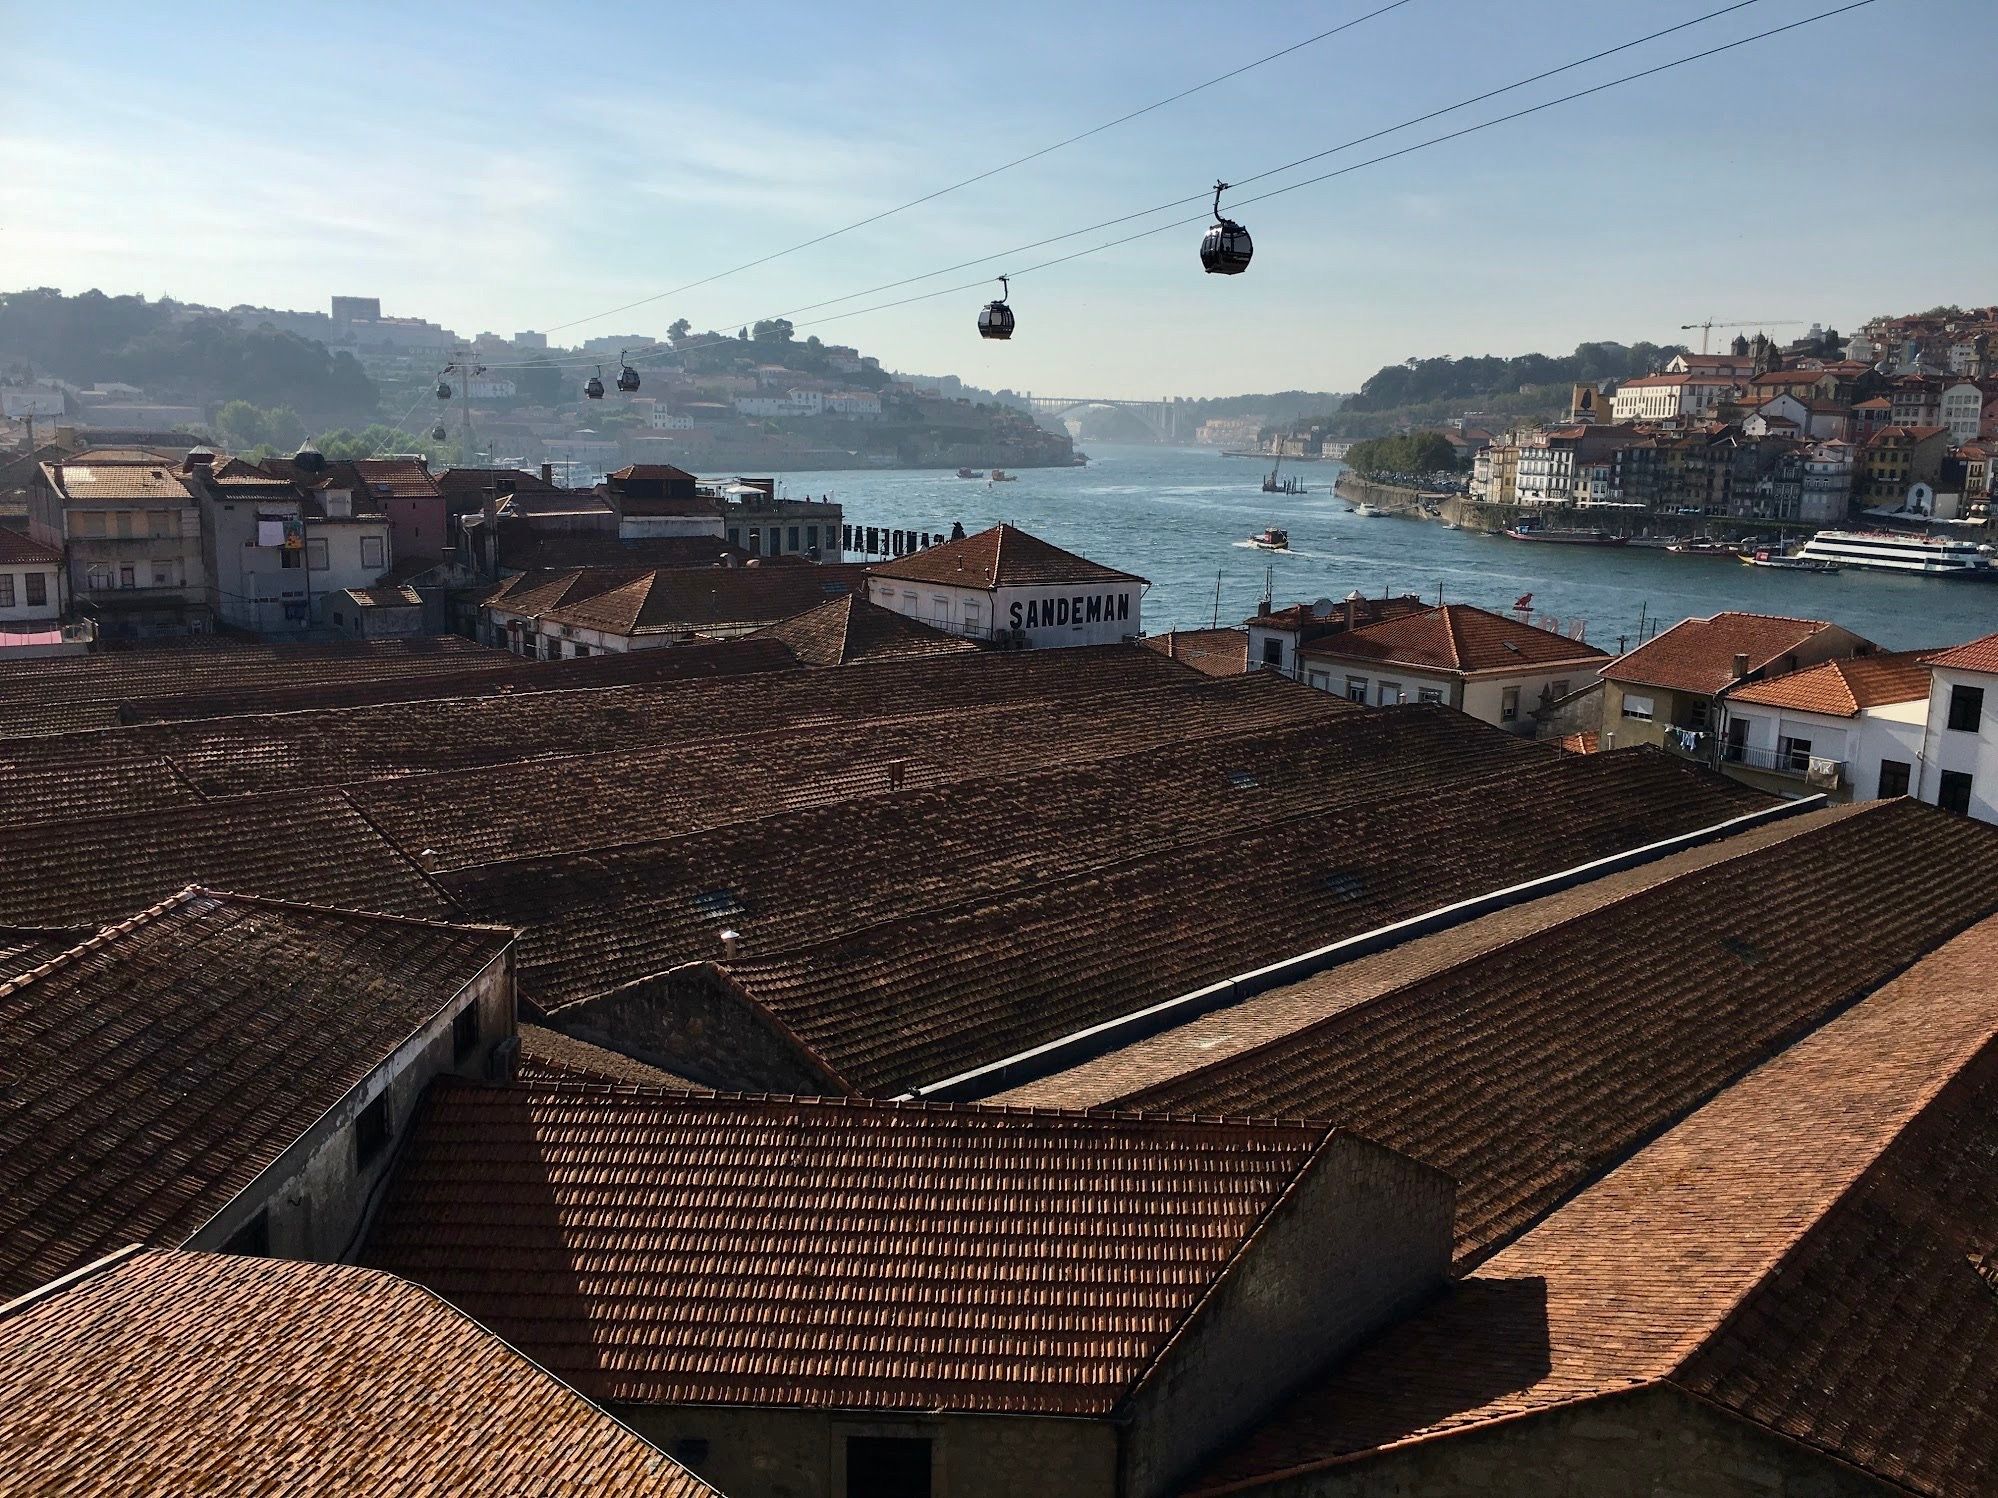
x=1702 y=546
x=1558 y=537
x=1763 y=556
x=1908 y=553
x=1001 y=476
x=967 y=473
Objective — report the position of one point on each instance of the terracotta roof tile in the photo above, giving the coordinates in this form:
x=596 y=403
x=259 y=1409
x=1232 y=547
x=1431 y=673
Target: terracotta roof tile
x=1212 y=652
x=1458 y=637
x=603 y=916
x=1797 y=1251
x=852 y=628
x=685 y=600
x=910 y=1003
x=155 y=1071
x=161 y=1365
x=1844 y=688
x=1980 y=654
x=1525 y=1058
x=17 y=550
x=1697 y=655
x=1002 y=557
x=665 y=1248
x=299 y=845
x=94 y=478
x=401 y=478
x=548 y=1056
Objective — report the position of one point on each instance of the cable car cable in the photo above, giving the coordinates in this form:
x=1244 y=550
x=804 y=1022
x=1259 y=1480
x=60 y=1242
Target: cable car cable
x=990 y=172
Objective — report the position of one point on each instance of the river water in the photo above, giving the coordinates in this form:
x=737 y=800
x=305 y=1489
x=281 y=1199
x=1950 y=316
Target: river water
x=1182 y=516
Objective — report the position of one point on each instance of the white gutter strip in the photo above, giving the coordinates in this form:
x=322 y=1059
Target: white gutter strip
x=1097 y=1039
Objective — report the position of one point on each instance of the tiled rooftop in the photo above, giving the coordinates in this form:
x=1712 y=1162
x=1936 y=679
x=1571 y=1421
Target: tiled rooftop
x=1212 y=652
x=17 y=550
x=608 y=915
x=912 y=1002
x=303 y=845
x=531 y=552
x=852 y=628
x=1844 y=688
x=1799 y=1251
x=108 y=478
x=1975 y=655
x=1697 y=655
x=164 y=1372
x=156 y=1070
x=1458 y=637
x=1002 y=557
x=683 y=600
x=662 y=1248
x=548 y=1056
x=1526 y=1057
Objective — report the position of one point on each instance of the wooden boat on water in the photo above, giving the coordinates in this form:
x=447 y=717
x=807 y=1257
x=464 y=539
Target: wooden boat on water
x=1555 y=537
x=1272 y=539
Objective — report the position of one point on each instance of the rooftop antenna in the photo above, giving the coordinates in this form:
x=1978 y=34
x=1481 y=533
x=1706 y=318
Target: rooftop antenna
x=1217 y=599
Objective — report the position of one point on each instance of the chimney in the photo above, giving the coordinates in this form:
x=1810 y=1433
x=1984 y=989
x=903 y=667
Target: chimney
x=1740 y=664
x=547 y=473
x=427 y=860
x=731 y=941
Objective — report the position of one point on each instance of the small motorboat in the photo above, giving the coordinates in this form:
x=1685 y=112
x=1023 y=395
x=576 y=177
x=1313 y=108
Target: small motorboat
x=1701 y=546
x=1762 y=556
x=1272 y=539
x=967 y=473
x=1001 y=476
x=1559 y=537
x=1365 y=510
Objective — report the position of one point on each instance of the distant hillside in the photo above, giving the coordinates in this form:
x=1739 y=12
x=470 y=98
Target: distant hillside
x=177 y=353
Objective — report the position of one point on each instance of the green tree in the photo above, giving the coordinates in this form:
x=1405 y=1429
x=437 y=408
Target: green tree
x=240 y=425
x=677 y=334
x=772 y=330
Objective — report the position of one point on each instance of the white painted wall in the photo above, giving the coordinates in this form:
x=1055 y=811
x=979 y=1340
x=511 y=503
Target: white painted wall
x=1962 y=751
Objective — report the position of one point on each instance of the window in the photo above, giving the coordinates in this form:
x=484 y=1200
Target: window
x=940 y=611
x=160 y=523
x=371 y=1131
x=373 y=552
x=38 y=588
x=126 y=523
x=1319 y=679
x=163 y=575
x=1509 y=705
x=1390 y=693
x=6 y=590
x=1954 y=792
x=98 y=577
x=1639 y=708
x=735 y=535
x=887 y=1467
x=315 y=554
x=290 y=557
x=1894 y=775
x=86 y=523
x=127 y=578
x=1272 y=652
x=971 y=612
x=1558 y=690
x=1356 y=689
x=465 y=1031
x=1696 y=715
x=793 y=541
x=1432 y=695
x=1793 y=753
x=253 y=1238
x=1966 y=708
x=579 y=650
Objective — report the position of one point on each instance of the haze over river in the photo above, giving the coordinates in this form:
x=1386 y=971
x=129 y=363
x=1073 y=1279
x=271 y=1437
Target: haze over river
x=1179 y=515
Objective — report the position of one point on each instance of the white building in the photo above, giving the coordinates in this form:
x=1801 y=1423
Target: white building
x=664 y=419
x=1852 y=728
x=1498 y=670
x=1013 y=588
x=1827 y=493
x=31 y=596
x=1959 y=765
x=855 y=405
x=1659 y=397
x=1962 y=411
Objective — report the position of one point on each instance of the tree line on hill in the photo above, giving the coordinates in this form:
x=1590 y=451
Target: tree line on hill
x=1405 y=452
x=176 y=353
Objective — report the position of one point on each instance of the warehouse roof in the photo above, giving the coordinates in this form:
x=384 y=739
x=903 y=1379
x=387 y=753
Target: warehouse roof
x=1458 y=637
x=666 y=1248
x=1803 y=1251
x=162 y=1367
x=1002 y=557
x=851 y=628
x=1526 y=1060
x=157 y=1069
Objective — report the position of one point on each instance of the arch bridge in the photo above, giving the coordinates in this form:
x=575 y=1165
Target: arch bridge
x=1170 y=419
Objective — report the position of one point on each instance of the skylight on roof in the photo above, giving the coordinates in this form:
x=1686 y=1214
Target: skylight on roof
x=1242 y=780
x=719 y=903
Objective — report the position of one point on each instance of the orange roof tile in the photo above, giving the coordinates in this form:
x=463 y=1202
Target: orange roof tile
x=158 y=1372
x=663 y=1248
x=1799 y=1251
x=1002 y=557
x=1697 y=655
x=1212 y=652
x=1844 y=688
x=853 y=628
x=1980 y=654
x=1457 y=637
x=17 y=550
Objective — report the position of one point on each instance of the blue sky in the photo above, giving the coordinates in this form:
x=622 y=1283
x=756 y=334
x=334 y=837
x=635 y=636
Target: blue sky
x=508 y=166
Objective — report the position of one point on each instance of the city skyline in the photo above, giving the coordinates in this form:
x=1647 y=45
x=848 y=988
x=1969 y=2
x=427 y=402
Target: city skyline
x=565 y=193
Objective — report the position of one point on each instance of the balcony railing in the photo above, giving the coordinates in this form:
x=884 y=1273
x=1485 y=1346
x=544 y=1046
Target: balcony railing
x=1800 y=763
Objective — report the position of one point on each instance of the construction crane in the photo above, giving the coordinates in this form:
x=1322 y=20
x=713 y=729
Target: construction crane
x=1706 y=328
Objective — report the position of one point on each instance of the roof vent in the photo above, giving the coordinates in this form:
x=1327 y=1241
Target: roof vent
x=731 y=941
x=1740 y=664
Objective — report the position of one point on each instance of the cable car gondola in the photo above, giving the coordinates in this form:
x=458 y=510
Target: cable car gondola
x=437 y=433
x=594 y=386
x=627 y=377
x=443 y=390
x=1225 y=248
x=996 y=320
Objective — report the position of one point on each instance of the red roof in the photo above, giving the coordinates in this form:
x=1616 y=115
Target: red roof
x=1456 y=637
x=1697 y=655
x=17 y=550
x=1844 y=688
x=1003 y=557
x=1975 y=655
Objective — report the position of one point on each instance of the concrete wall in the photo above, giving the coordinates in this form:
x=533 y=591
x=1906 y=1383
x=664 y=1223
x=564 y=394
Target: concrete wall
x=1097 y=614
x=317 y=1195
x=1365 y=1234
x=1655 y=1443
x=692 y=1022
x=22 y=611
x=789 y=1453
x=1973 y=754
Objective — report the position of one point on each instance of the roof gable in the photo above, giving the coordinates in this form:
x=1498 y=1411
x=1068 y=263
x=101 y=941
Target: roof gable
x=854 y=628
x=1457 y=637
x=1003 y=557
x=1697 y=655
x=1844 y=688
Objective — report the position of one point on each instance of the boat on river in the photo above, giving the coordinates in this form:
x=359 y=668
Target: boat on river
x=1365 y=509
x=1001 y=476
x=1558 y=537
x=967 y=473
x=1908 y=553
x=1272 y=539
x=1764 y=556
x=1703 y=546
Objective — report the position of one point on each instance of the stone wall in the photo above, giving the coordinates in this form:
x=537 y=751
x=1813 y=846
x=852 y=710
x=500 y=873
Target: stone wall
x=1653 y=1443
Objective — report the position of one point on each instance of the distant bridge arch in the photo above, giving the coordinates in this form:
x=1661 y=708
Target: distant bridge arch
x=1170 y=419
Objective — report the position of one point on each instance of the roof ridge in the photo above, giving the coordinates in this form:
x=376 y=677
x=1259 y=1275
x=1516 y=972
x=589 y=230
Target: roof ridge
x=103 y=937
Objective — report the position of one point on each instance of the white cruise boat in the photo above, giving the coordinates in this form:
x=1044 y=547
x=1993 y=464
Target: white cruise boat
x=1905 y=552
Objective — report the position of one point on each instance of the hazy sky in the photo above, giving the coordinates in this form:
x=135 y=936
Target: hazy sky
x=495 y=167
